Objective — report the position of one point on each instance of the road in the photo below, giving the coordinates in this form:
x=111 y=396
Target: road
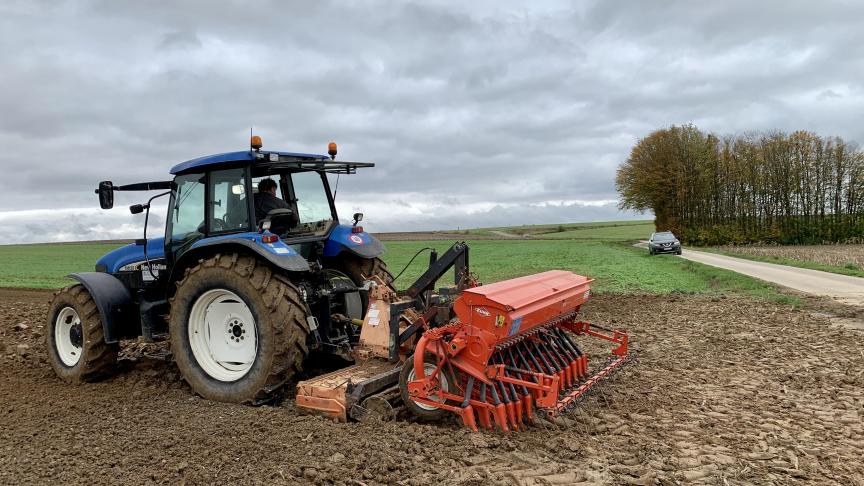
x=844 y=288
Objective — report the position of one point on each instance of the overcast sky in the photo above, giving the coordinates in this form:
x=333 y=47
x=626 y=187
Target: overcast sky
x=478 y=113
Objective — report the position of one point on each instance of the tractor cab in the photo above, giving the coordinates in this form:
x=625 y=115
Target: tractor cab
x=220 y=196
x=216 y=200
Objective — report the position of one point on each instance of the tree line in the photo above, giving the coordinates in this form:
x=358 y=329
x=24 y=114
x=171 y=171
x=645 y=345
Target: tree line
x=764 y=187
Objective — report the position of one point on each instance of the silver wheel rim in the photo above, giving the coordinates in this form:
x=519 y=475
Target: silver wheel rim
x=428 y=369
x=68 y=337
x=223 y=335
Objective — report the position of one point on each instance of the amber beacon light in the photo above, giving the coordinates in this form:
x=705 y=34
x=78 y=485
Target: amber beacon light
x=256 y=142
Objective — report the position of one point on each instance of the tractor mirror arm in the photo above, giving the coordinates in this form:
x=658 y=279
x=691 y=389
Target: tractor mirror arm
x=106 y=190
x=140 y=186
x=147 y=186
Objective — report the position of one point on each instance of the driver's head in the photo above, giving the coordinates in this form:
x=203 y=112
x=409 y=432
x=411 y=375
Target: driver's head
x=267 y=186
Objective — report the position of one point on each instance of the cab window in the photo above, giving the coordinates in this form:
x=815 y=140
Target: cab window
x=187 y=216
x=313 y=206
x=229 y=209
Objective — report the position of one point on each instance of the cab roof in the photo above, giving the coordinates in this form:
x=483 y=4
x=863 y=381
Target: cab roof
x=267 y=158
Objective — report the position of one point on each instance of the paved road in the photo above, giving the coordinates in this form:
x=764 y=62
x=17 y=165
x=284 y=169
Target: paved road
x=849 y=290
x=842 y=287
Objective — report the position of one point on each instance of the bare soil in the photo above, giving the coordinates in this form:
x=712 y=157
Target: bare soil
x=725 y=391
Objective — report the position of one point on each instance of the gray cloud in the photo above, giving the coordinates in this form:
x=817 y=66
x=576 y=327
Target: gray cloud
x=476 y=112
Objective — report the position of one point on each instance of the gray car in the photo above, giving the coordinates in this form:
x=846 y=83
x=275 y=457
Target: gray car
x=664 y=242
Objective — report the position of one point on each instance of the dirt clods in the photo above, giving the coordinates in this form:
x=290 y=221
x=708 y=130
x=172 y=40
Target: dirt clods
x=724 y=391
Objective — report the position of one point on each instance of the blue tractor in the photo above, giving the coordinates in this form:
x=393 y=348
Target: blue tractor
x=244 y=296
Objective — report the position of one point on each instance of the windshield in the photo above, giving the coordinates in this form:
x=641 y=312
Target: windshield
x=665 y=236
x=187 y=216
x=313 y=206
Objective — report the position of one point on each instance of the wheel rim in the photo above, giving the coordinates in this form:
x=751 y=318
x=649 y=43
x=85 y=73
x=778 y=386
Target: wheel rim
x=68 y=336
x=223 y=335
x=443 y=384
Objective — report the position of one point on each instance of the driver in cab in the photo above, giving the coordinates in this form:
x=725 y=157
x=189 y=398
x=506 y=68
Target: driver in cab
x=266 y=199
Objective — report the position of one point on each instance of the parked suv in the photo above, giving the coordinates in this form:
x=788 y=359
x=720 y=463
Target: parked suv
x=664 y=242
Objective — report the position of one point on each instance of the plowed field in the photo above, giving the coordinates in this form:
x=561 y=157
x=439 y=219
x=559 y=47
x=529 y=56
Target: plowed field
x=725 y=391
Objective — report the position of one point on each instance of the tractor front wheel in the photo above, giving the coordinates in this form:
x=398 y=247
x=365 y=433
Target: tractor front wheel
x=238 y=330
x=76 y=340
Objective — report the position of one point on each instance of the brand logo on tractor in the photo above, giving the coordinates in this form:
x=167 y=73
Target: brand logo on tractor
x=356 y=239
x=483 y=312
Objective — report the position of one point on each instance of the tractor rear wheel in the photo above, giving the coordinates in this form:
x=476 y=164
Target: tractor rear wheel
x=76 y=340
x=238 y=330
x=361 y=269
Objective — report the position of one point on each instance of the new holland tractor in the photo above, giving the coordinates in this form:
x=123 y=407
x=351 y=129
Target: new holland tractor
x=245 y=295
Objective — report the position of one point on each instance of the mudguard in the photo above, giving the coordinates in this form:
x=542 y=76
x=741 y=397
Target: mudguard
x=119 y=314
x=361 y=244
x=278 y=254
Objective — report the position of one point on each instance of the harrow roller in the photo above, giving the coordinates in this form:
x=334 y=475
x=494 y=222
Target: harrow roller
x=512 y=352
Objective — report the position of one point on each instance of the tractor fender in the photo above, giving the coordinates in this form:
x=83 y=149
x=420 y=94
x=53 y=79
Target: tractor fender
x=362 y=244
x=277 y=254
x=117 y=310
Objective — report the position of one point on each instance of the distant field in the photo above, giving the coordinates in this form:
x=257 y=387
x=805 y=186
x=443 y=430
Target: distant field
x=45 y=266
x=600 y=250
x=601 y=230
x=617 y=266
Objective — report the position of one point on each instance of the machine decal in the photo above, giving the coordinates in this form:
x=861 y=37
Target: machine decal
x=356 y=239
x=373 y=314
x=514 y=328
x=483 y=312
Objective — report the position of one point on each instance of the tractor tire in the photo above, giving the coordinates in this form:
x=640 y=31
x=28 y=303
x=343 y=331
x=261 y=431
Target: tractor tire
x=76 y=339
x=262 y=305
x=425 y=413
x=359 y=269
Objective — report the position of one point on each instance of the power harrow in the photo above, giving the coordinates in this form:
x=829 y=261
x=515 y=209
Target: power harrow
x=497 y=356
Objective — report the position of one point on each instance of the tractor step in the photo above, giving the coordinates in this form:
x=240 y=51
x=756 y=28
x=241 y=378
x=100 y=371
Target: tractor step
x=340 y=394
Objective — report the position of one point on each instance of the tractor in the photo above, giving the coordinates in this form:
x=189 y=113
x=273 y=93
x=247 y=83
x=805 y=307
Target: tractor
x=246 y=296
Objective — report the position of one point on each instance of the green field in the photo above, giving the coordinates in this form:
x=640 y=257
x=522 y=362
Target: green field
x=45 y=266
x=601 y=230
x=602 y=251
x=617 y=266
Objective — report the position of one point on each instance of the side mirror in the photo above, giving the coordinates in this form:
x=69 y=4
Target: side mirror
x=357 y=218
x=106 y=194
x=137 y=208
